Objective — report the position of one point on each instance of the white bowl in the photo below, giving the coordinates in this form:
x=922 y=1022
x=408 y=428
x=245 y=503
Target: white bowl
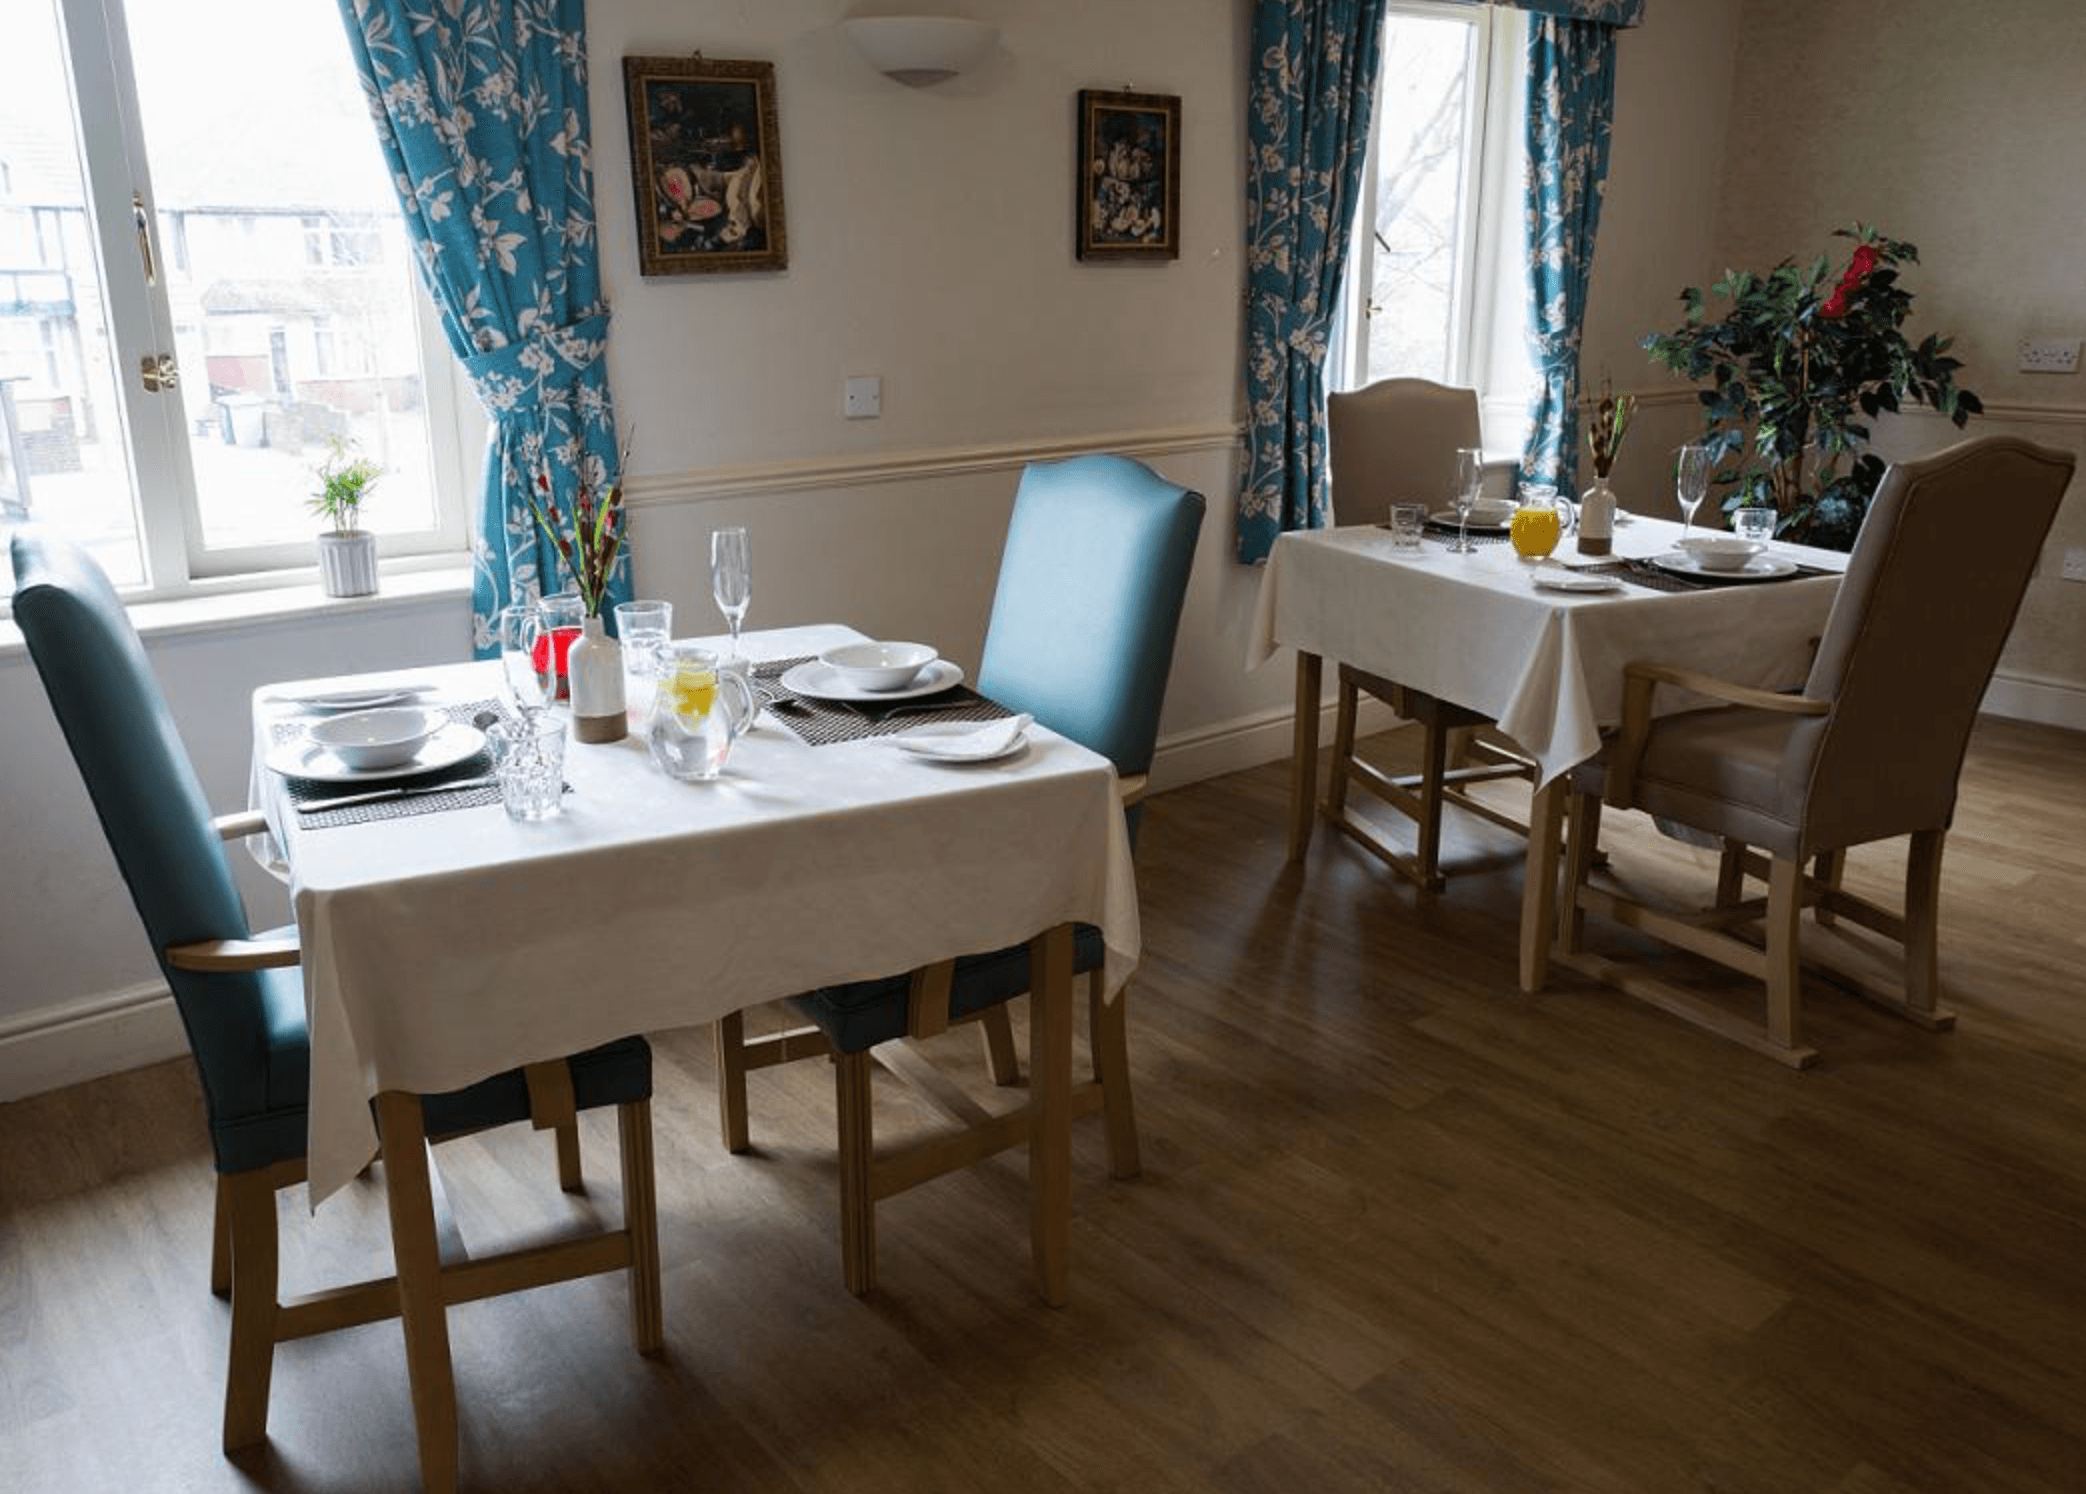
x=1722 y=552
x=878 y=666
x=1491 y=511
x=377 y=739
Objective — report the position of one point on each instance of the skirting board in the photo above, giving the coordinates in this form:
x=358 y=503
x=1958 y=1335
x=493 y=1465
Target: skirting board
x=88 y=1038
x=2044 y=701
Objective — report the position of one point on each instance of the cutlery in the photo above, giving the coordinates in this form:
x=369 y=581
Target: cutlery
x=378 y=796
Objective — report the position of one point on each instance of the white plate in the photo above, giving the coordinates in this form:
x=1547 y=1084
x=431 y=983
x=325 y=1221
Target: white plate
x=1759 y=568
x=816 y=680
x=358 y=700
x=1557 y=578
x=943 y=741
x=300 y=757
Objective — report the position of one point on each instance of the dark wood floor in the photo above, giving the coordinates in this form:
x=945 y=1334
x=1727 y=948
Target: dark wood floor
x=1400 y=1228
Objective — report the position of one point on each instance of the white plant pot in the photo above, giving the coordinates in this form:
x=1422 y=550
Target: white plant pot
x=348 y=564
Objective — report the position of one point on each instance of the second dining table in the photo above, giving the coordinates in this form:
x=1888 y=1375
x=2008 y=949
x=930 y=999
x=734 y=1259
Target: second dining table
x=1478 y=630
x=443 y=947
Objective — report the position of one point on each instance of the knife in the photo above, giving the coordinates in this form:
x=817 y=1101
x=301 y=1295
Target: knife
x=378 y=796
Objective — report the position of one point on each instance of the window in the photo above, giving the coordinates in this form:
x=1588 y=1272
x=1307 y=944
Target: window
x=1435 y=285
x=195 y=186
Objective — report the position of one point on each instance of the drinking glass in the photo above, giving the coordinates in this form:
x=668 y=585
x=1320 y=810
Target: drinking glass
x=1470 y=476
x=731 y=578
x=525 y=659
x=1691 y=482
x=1754 y=523
x=643 y=629
x=1408 y=521
x=529 y=761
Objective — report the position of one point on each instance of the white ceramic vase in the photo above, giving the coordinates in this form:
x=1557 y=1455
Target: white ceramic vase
x=348 y=564
x=594 y=672
x=1597 y=519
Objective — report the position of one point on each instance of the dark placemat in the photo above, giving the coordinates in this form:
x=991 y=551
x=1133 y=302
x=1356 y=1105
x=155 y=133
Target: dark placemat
x=478 y=765
x=1644 y=573
x=822 y=723
x=1445 y=534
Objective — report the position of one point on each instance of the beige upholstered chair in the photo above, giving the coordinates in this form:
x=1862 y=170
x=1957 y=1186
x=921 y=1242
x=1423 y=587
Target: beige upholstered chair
x=1396 y=441
x=1869 y=750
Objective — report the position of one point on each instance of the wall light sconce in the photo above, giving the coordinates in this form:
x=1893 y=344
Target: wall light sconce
x=918 y=50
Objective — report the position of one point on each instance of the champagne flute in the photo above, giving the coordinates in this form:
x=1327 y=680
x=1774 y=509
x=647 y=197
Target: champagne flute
x=1690 y=483
x=527 y=671
x=731 y=578
x=1470 y=476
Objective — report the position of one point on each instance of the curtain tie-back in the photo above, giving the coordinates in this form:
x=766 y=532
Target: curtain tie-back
x=513 y=380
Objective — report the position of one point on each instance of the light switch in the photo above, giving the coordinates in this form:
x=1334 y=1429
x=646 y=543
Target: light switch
x=863 y=398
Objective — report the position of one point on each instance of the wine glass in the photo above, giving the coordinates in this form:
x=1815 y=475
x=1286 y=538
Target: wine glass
x=525 y=660
x=1690 y=483
x=1470 y=477
x=731 y=578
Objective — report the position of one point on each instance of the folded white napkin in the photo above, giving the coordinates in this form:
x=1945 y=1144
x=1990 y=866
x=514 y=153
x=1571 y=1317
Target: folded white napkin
x=989 y=740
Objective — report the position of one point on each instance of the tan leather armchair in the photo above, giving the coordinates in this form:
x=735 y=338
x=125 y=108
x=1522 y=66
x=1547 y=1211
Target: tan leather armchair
x=1869 y=750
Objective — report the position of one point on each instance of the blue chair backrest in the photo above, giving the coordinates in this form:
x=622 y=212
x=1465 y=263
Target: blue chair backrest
x=1089 y=599
x=151 y=806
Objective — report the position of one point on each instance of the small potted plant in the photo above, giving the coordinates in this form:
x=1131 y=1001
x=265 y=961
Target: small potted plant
x=347 y=554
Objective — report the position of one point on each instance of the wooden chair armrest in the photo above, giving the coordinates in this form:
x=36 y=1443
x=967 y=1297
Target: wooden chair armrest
x=240 y=825
x=220 y=955
x=1129 y=790
x=1641 y=679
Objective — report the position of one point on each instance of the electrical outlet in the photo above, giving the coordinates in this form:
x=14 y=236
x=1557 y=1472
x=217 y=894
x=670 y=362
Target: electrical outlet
x=2049 y=355
x=2075 y=564
x=862 y=398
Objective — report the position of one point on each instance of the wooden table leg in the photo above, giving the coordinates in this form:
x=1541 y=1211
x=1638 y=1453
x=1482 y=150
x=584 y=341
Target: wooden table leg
x=403 y=1130
x=1050 y=1108
x=1539 y=888
x=1303 y=762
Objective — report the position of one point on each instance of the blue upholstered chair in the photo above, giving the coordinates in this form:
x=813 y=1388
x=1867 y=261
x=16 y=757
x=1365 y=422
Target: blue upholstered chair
x=1089 y=598
x=241 y=997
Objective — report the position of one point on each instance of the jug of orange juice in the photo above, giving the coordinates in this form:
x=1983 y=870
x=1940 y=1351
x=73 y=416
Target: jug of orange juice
x=1541 y=519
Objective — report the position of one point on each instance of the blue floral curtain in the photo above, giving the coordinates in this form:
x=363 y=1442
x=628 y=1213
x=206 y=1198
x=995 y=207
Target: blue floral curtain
x=1571 y=105
x=1312 y=83
x=482 y=112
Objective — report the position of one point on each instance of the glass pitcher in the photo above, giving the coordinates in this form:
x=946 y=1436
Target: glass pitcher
x=698 y=712
x=1541 y=519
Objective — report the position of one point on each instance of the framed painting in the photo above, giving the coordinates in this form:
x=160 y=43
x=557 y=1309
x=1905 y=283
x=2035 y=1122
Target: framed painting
x=1129 y=176
x=706 y=165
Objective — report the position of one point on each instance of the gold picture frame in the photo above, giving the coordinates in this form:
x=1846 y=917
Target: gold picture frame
x=705 y=165
x=1128 y=176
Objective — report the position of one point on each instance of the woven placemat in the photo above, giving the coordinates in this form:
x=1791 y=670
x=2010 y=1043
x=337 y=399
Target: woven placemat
x=1445 y=535
x=822 y=723
x=1655 y=578
x=300 y=790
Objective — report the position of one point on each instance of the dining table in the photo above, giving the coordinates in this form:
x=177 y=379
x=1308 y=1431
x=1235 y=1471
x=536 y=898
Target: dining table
x=1536 y=647
x=444 y=942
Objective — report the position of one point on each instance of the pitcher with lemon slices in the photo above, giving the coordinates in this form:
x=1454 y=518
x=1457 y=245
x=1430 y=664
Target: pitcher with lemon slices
x=698 y=713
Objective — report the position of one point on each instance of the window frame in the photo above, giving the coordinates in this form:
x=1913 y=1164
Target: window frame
x=123 y=227
x=1488 y=297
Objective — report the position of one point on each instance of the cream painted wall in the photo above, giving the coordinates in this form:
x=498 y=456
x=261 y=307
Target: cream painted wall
x=1963 y=130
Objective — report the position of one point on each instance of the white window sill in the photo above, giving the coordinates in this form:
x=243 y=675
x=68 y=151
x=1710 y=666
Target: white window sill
x=229 y=611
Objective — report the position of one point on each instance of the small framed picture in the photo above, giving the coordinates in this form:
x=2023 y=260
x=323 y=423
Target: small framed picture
x=706 y=165
x=1129 y=176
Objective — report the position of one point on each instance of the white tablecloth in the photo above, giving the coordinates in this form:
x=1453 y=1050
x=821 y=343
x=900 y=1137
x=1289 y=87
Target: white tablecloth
x=442 y=948
x=1546 y=665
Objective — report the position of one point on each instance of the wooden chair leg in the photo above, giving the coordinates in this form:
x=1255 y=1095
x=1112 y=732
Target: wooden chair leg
x=857 y=1144
x=1108 y=1036
x=1784 y=967
x=246 y=1201
x=1826 y=870
x=422 y=1314
x=1344 y=713
x=570 y=1177
x=1303 y=756
x=728 y=1042
x=1731 y=874
x=220 y=1245
x=996 y=1028
x=1581 y=838
x=1050 y=1110
x=641 y=1221
x=1922 y=921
